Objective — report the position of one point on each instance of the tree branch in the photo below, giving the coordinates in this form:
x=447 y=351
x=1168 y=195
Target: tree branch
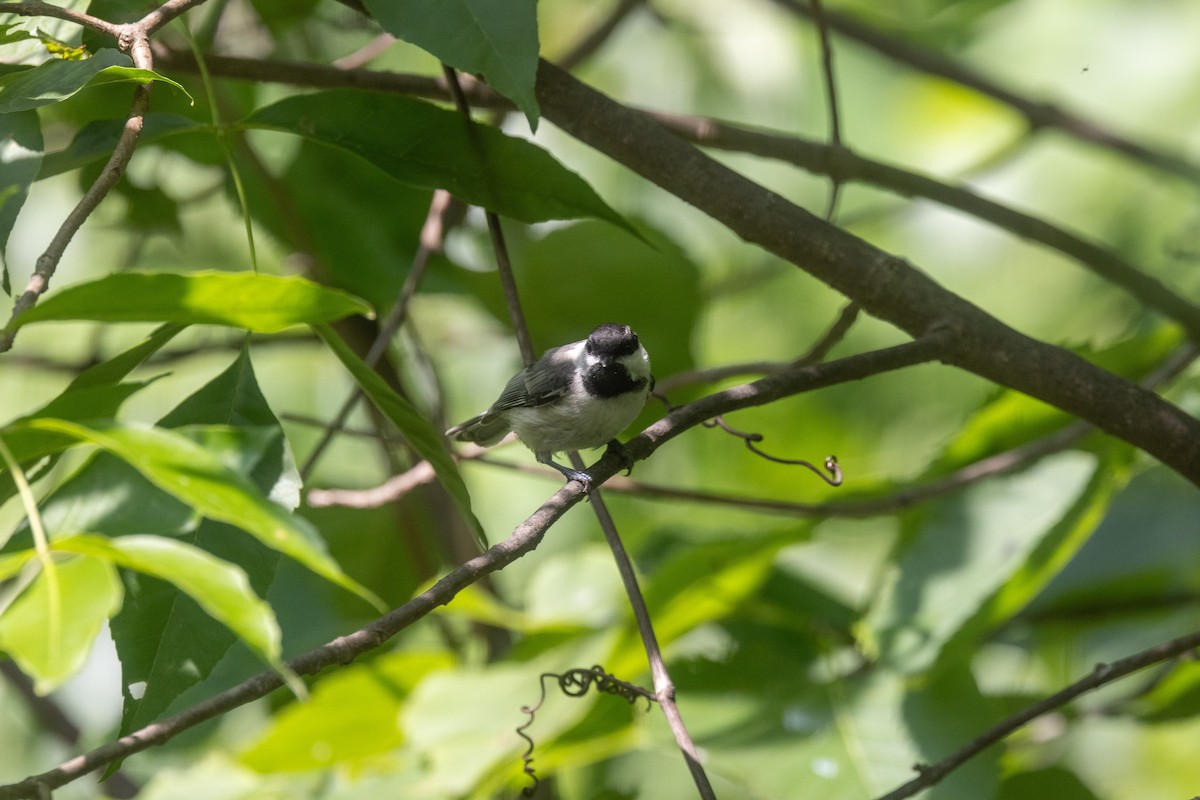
x=850 y=167
x=884 y=285
x=1101 y=675
x=38 y=9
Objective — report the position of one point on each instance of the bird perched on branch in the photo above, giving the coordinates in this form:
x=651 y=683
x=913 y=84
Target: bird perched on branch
x=574 y=397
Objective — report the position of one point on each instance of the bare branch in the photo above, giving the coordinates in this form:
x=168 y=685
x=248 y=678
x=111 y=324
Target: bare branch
x=361 y=57
x=48 y=262
x=38 y=9
x=1103 y=674
x=831 y=100
x=392 y=489
x=853 y=168
x=164 y=14
x=884 y=285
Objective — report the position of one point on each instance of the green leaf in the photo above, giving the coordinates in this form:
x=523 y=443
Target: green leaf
x=351 y=717
x=1052 y=783
x=887 y=726
x=260 y=303
x=702 y=584
x=50 y=628
x=1174 y=698
x=195 y=475
x=91 y=402
x=964 y=552
x=1060 y=546
x=166 y=642
x=136 y=75
x=365 y=241
x=11 y=565
x=422 y=145
x=56 y=80
x=220 y=588
x=110 y=372
x=20 y=159
x=93 y=394
x=420 y=434
x=496 y=40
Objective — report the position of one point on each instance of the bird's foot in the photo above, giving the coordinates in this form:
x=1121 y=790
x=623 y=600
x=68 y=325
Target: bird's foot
x=622 y=452
x=568 y=473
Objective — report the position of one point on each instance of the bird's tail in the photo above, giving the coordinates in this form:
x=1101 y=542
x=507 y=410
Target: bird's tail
x=484 y=430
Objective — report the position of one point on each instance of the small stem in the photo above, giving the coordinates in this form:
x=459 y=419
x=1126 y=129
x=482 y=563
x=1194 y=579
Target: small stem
x=41 y=543
x=664 y=688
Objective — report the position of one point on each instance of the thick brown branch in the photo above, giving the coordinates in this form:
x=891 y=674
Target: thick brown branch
x=847 y=166
x=884 y=285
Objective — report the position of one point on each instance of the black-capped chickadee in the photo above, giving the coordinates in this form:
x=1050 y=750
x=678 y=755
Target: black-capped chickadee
x=574 y=397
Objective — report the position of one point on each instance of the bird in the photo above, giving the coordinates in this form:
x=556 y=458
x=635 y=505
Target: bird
x=575 y=397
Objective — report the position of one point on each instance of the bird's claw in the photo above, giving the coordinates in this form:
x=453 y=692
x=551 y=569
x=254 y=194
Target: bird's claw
x=622 y=452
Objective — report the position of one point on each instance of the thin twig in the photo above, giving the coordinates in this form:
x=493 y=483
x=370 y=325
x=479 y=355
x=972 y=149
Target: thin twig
x=664 y=687
x=165 y=13
x=442 y=212
x=831 y=101
x=38 y=9
x=48 y=262
x=837 y=331
x=363 y=56
x=1102 y=675
x=594 y=39
x=390 y=490
x=1038 y=114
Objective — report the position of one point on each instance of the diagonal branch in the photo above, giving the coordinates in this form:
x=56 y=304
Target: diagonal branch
x=1103 y=674
x=850 y=167
x=885 y=286
x=524 y=539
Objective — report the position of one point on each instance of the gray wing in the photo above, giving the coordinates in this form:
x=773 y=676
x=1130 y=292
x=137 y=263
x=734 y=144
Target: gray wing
x=545 y=381
x=548 y=379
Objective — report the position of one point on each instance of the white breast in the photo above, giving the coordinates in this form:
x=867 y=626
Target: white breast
x=576 y=424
